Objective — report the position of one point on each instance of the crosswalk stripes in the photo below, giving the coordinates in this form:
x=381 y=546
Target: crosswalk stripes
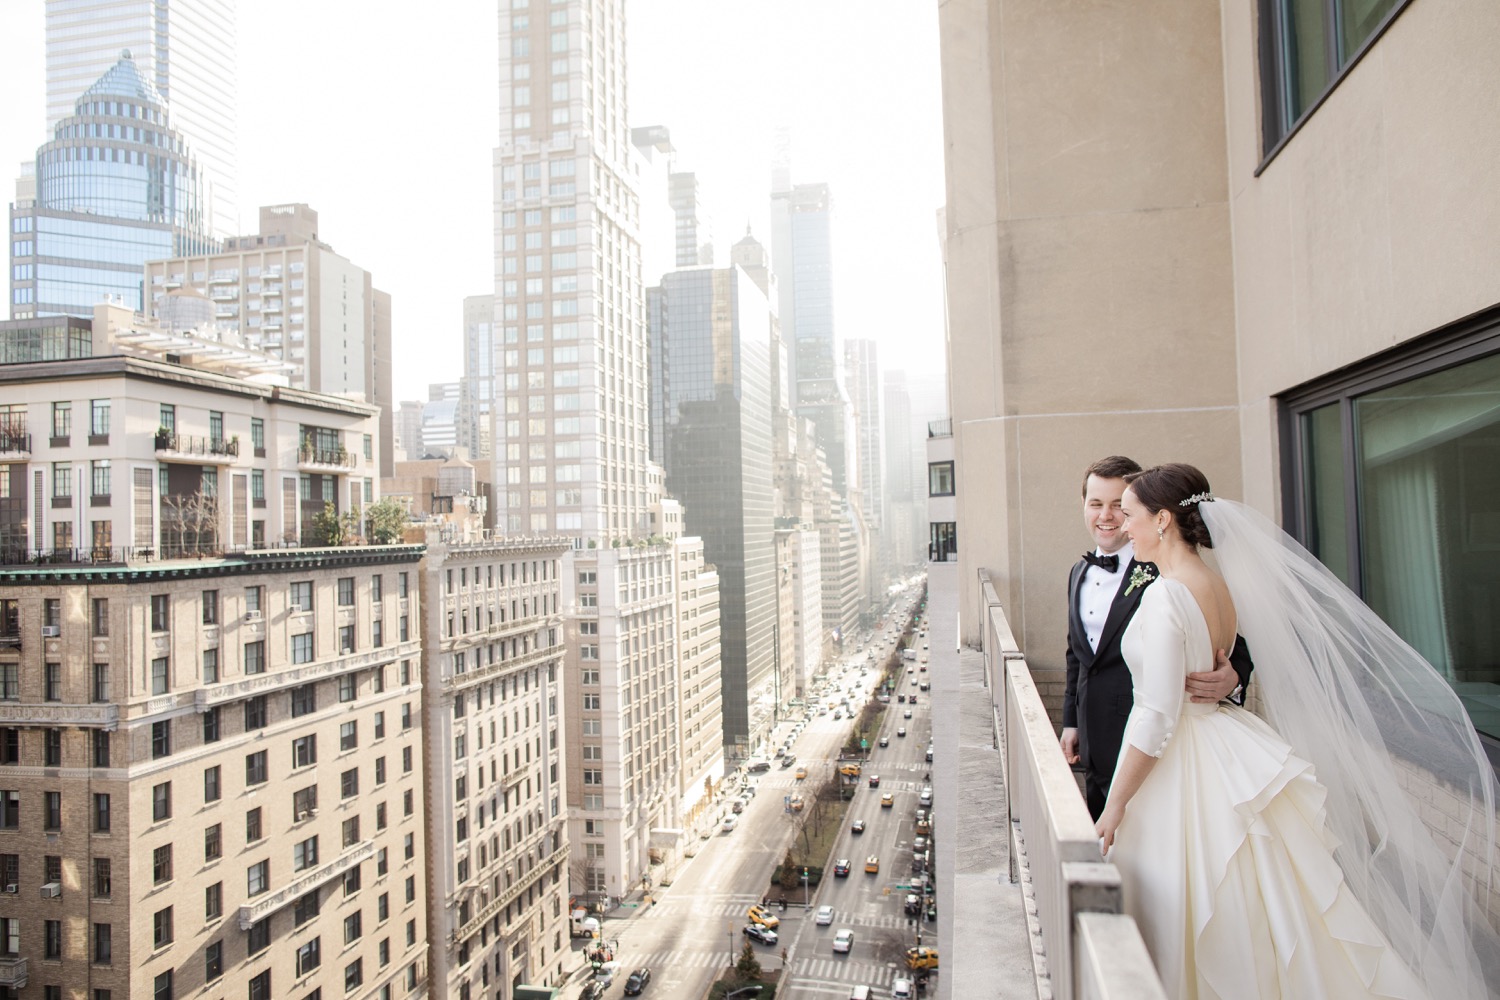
x=839 y=971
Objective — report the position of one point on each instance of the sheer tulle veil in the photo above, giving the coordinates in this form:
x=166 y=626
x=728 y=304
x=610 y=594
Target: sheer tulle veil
x=1389 y=740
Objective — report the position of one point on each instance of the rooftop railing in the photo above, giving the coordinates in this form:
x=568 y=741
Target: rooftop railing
x=1090 y=949
x=940 y=428
x=184 y=444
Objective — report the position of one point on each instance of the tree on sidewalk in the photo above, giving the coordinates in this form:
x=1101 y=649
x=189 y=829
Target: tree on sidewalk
x=748 y=966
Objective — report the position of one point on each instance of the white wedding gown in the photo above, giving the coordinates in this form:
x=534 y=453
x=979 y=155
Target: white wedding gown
x=1224 y=853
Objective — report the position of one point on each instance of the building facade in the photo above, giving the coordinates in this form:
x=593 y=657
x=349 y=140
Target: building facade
x=186 y=51
x=497 y=835
x=476 y=400
x=117 y=185
x=286 y=293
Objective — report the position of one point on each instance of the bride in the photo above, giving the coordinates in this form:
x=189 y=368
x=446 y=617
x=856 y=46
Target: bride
x=1290 y=861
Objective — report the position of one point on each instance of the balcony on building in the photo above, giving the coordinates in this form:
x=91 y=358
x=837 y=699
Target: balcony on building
x=13 y=972
x=195 y=449
x=15 y=444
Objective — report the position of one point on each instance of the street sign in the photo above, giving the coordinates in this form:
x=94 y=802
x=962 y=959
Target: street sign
x=864 y=744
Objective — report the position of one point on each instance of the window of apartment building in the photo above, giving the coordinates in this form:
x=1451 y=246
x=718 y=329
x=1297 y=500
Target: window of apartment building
x=350 y=831
x=348 y=686
x=352 y=880
x=253 y=596
x=302 y=596
x=940 y=479
x=383 y=906
x=160 y=612
x=379 y=770
x=354 y=927
x=161 y=927
x=10 y=746
x=215 y=425
x=349 y=783
x=1306 y=47
x=10 y=870
x=103 y=944
x=52 y=747
x=161 y=988
x=258 y=436
x=257 y=488
x=161 y=801
x=160 y=675
x=942 y=541
x=379 y=725
x=348 y=735
x=213 y=961
x=255 y=657
x=404 y=673
x=401 y=584
x=10 y=681
x=167 y=418
x=211 y=666
x=62 y=423
x=101 y=682
x=380 y=816
x=346 y=638
x=305 y=854
x=305 y=750
x=211 y=729
x=354 y=975
x=254 y=829
x=101 y=811
x=213 y=901
x=377 y=633
x=100 y=616
x=309 y=956
x=304 y=802
x=405 y=716
x=161 y=739
x=403 y=628
x=258 y=937
x=102 y=886
x=305 y=908
x=161 y=864
x=213 y=842
x=210 y=605
x=257 y=878
x=346 y=591
x=302 y=648
x=255 y=768
x=411 y=895
x=408 y=803
x=406 y=760
x=99 y=482
x=260 y=987
x=256 y=714
x=376 y=589
x=304 y=699
x=1390 y=480
x=62 y=531
x=62 y=484
x=98 y=421
x=213 y=785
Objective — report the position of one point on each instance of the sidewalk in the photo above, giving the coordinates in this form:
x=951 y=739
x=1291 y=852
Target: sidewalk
x=982 y=931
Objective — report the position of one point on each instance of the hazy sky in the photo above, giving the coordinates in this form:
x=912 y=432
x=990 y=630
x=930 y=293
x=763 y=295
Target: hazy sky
x=384 y=123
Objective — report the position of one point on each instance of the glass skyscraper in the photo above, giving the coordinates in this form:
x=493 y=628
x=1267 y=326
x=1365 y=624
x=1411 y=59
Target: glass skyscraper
x=711 y=331
x=186 y=50
x=117 y=185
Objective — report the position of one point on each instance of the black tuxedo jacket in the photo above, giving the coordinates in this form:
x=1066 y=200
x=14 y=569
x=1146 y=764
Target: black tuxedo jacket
x=1098 y=697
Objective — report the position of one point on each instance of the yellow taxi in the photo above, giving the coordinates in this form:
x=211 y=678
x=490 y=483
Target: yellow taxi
x=887 y=800
x=872 y=865
x=921 y=958
x=764 y=917
x=800 y=773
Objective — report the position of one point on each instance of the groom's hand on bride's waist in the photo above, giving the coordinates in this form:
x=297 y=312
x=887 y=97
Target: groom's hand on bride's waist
x=1208 y=686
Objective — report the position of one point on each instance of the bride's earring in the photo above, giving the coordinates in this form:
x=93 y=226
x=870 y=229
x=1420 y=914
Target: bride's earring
x=1160 y=534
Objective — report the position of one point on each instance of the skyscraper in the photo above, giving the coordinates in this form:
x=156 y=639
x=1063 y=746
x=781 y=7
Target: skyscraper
x=861 y=363
x=116 y=186
x=712 y=334
x=476 y=399
x=187 y=52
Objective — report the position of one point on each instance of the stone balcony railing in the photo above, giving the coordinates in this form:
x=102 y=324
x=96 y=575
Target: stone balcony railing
x=477 y=675
x=268 y=903
x=245 y=687
x=512 y=891
x=55 y=714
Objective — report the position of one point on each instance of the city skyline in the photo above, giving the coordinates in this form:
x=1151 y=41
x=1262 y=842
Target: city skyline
x=725 y=131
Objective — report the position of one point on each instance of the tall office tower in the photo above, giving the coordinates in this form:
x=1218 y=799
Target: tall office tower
x=286 y=292
x=223 y=769
x=861 y=364
x=186 y=50
x=802 y=256
x=476 y=400
x=904 y=540
x=712 y=333
x=440 y=418
x=658 y=220
x=694 y=235
x=408 y=425
x=492 y=710
x=570 y=428
x=117 y=185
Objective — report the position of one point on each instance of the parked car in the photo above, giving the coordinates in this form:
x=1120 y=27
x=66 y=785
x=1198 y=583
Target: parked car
x=841 y=868
x=637 y=982
x=843 y=940
x=929 y=755
x=761 y=915
x=730 y=822
x=901 y=989
x=756 y=932
x=925 y=799
x=825 y=916
x=737 y=806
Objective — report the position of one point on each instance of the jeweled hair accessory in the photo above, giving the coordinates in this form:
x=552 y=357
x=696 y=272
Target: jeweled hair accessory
x=1197 y=498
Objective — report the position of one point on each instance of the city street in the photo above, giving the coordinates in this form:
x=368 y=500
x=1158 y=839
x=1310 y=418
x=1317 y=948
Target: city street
x=694 y=929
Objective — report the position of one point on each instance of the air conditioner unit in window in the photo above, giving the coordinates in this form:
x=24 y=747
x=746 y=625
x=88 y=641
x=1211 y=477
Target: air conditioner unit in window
x=51 y=631
x=303 y=814
x=11 y=888
x=252 y=616
x=51 y=890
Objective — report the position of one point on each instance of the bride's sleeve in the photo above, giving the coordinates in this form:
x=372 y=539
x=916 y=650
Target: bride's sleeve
x=1159 y=690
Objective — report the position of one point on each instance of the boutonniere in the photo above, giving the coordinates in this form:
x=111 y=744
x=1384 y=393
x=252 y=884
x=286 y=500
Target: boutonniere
x=1139 y=577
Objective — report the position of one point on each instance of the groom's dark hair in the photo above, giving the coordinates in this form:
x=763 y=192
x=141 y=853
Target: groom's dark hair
x=1113 y=467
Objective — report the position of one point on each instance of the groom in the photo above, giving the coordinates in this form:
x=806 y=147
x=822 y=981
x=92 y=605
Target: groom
x=1104 y=589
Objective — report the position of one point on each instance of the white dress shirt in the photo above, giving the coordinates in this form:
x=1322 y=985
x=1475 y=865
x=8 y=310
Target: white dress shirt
x=1096 y=593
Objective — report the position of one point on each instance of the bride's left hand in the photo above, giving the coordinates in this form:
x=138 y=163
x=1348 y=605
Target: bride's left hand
x=1109 y=822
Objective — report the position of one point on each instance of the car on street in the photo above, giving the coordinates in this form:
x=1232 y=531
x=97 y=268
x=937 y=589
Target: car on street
x=932 y=910
x=858 y=826
x=887 y=800
x=843 y=940
x=637 y=982
x=913 y=904
x=788 y=761
x=901 y=698
x=874 y=781
x=872 y=865
x=913 y=682
x=885 y=741
x=764 y=917
x=926 y=686
x=925 y=799
x=756 y=932
x=901 y=989
x=929 y=755
x=800 y=773
x=594 y=990
x=730 y=822
x=759 y=767
x=906 y=714
x=901 y=732
x=841 y=868
x=825 y=916
x=922 y=958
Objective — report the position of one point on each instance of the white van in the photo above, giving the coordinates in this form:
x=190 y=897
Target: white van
x=860 y=993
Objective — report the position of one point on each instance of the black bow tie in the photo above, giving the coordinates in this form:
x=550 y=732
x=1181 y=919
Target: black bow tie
x=1109 y=564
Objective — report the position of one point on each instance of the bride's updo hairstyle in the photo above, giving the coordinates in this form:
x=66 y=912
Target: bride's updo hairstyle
x=1164 y=487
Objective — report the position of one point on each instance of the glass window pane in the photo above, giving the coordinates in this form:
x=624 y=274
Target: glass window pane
x=1323 y=471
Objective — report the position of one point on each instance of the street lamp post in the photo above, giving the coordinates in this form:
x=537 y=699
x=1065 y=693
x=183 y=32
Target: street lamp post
x=806 y=898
